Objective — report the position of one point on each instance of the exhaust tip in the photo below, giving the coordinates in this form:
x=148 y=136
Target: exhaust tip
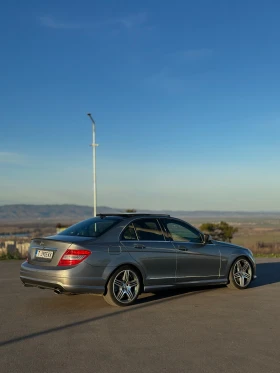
x=57 y=291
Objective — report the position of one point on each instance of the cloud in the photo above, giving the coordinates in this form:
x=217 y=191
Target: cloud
x=11 y=158
x=126 y=22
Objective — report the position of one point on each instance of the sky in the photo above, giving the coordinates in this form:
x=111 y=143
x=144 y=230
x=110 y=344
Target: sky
x=185 y=96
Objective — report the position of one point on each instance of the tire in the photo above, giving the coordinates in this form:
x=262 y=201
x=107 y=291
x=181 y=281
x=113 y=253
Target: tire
x=123 y=287
x=241 y=274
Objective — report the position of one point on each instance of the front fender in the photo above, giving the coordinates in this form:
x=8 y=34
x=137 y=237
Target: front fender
x=237 y=255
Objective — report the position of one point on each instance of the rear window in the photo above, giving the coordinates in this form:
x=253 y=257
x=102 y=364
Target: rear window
x=94 y=227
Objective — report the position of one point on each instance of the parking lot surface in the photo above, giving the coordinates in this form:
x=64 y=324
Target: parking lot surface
x=198 y=330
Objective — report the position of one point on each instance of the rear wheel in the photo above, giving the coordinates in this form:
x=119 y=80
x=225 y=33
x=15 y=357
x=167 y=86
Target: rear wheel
x=241 y=274
x=123 y=287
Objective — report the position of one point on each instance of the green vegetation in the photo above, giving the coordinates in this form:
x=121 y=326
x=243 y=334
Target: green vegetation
x=261 y=237
x=10 y=256
x=220 y=231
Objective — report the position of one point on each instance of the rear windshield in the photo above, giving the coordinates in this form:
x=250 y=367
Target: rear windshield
x=94 y=227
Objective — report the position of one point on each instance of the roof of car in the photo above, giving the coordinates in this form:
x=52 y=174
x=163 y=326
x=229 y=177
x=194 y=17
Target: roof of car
x=130 y=215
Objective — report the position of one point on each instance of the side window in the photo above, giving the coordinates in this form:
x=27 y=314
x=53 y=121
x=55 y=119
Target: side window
x=148 y=230
x=182 y=232
x=129 y=233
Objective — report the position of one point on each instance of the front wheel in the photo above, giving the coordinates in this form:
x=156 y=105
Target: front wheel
x=241 y=274
x=123 y=287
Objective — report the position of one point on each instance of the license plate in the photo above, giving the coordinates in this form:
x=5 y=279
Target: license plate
x=46 y=254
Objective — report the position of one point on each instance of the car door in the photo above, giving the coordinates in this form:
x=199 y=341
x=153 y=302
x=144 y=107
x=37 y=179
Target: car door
x=196 y=261
x=146 y=242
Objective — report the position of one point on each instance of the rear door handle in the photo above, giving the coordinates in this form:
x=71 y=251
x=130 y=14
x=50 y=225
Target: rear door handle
x=183 y=248
x=139 y=246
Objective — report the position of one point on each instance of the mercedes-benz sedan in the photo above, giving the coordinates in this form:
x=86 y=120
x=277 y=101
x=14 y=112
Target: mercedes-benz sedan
x=121 y=255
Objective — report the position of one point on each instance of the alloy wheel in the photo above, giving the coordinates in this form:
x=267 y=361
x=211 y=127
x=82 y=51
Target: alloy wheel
x=126 y=286
x=242 y=273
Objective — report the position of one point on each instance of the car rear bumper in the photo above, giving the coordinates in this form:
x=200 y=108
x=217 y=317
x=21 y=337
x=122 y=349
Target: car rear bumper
x=79 y=279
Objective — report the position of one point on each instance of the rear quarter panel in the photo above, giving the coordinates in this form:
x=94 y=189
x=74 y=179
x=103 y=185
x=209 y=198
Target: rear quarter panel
x=108 y=257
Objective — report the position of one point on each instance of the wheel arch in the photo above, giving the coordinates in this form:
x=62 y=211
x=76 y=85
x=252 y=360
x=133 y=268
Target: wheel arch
x=133 y=266
x=240 y=256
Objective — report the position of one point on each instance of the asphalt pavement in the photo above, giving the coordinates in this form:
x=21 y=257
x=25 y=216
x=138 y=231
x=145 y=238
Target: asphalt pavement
x=203 y=330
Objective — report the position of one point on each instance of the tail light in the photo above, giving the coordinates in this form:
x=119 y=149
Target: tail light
x=73 y=257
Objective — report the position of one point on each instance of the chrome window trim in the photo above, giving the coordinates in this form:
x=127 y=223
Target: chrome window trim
x=135 y=232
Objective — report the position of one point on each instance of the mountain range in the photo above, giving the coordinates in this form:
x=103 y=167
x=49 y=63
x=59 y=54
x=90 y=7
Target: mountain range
x=21 y=212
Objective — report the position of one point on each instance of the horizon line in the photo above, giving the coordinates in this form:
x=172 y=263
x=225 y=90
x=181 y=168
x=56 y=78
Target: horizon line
x=139 y=209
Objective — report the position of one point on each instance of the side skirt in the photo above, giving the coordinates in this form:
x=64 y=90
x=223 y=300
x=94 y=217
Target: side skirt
x=220 y=281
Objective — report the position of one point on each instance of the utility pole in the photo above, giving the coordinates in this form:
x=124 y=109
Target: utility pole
x=94 y=145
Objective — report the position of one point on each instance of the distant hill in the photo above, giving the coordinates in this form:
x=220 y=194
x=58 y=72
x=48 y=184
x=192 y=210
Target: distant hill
x=48 y=212
x=76 y=212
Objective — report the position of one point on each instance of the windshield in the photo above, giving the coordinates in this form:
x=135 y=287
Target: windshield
x=94 y=227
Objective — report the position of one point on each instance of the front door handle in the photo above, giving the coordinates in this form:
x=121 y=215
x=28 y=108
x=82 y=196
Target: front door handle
x=139 y=246
x=183 y=248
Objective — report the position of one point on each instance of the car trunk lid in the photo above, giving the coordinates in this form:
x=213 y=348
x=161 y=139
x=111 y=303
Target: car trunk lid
x=48 y=251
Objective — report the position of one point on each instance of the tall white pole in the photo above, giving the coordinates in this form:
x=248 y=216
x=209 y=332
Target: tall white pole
x=94 y=169
x=94 y=145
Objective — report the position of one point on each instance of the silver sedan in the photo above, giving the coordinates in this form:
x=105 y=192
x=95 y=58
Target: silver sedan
x=120 y=256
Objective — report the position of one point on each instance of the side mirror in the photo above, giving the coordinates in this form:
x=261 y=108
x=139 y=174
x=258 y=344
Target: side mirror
x=206 y=238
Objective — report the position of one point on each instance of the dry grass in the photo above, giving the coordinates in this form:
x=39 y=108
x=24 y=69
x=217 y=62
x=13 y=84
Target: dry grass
x=260 y=236
x=263 y=241
x=251 y=236
x=266 y=248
